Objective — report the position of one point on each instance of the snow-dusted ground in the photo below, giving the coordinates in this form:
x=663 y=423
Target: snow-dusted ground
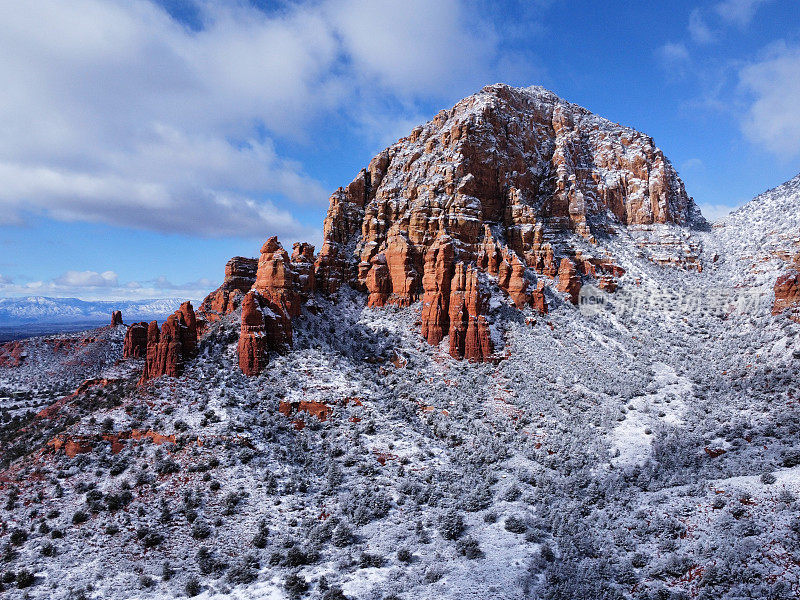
x=648 y=450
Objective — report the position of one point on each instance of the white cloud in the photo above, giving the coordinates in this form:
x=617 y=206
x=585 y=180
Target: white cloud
x=773 y=85
x=411 y=46
x=738 y=12
x=80 y=279
x=693 y=164
x=91 y=285
x=699 y=30
x=715 y=212
x=674 y=57
x=113 y=112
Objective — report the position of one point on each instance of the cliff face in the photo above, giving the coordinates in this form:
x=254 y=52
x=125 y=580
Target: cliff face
x=167 y=350
x=240 y=274
x=515 y=166
x=511 y=187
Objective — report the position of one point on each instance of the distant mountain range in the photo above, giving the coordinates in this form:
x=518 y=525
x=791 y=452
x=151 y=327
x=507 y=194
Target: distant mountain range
x=39 y=310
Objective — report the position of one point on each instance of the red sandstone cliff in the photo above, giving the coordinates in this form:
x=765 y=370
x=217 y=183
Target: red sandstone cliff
x=168 y=349
x=495 y=191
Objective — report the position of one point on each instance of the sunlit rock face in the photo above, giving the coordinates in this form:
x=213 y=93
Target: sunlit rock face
x=240 y=275
x=168 y=349
x=507 y=176
x=787 y=294
x=500 y=190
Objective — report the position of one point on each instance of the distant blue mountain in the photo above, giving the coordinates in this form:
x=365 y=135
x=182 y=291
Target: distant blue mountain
x=40 y=310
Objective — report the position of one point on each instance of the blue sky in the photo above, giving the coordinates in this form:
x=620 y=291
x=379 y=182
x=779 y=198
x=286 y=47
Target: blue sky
x=145 y=142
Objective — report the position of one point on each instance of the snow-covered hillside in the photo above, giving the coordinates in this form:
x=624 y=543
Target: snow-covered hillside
x=643 y=448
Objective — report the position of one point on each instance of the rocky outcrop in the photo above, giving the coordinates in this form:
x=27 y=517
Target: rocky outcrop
x=568 y=280
x=264 y=328
x=510 y=187
x=517 y=180
x=787 y=294
x=12 y=354
x=168 y=349
x=151 y=356
x=303 y=265
x=240 y=275
x=469 y=330
x=116 y=318
x=538 y=300
x=277 y=280
x=135 y=345
x=436 y=283
x=252 y=337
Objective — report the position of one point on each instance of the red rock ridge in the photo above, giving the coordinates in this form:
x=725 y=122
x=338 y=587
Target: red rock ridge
x=168 y=350
x=281 y=286
x=509 y=186
x=135 y=344
x=523 y=161
x=240 y=275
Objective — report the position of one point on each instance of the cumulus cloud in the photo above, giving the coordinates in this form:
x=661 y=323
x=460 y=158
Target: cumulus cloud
x=114 y=112
x=773 y=85
x=738 y=12
x=81 y=279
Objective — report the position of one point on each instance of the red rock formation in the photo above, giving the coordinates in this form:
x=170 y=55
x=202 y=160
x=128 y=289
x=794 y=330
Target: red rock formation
x=151 y=355
x=188 y=329
x=378 y=281
x=316 y=409
x=72 y=446
x=436 y=282
x=303 y=265
x=240 y=275
x=177 y=342
x=116 y=318
x=508 y=175
x=252 y=338
x=469 y=330
x=276 y=280
x=12 y=354
x=787 y=294
x=568 y=280
x=135 y=345
x=264 y=328
x=538 y=301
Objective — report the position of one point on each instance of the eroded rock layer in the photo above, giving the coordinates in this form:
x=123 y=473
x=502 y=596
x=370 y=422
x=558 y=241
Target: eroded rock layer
x=509 y=189
x=787 y=294
x=240 y=275
x=508 y=176
x=135 y=344
x=168 y=349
